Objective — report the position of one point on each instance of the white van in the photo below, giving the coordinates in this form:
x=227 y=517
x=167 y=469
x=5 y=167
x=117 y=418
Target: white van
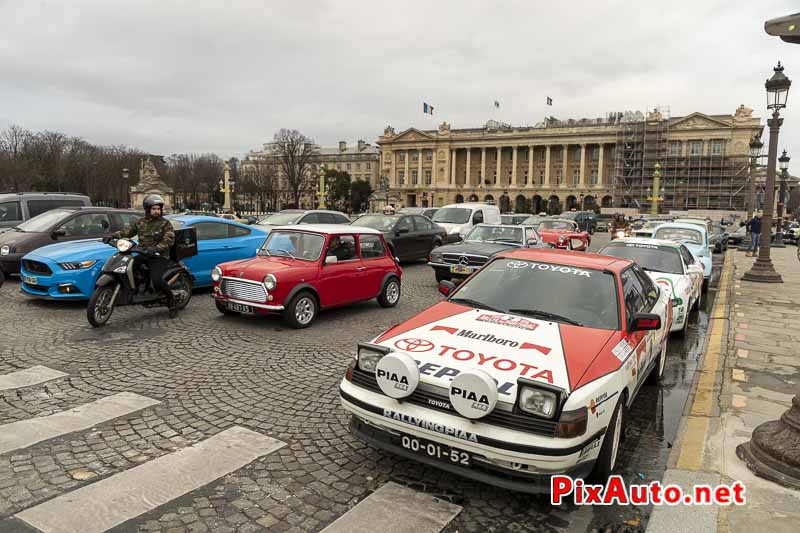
x=459 y=219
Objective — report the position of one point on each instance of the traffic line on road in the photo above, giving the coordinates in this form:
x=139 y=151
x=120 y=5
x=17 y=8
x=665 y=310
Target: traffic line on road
x=28 y=377
x=396 y=509
x=124 y=496
x=25 y=433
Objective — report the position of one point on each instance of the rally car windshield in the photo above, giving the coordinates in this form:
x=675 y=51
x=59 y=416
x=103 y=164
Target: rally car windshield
x=452 y=215
x=548 y=291
x=557 y=224
x=294 y=244
x=649 y=256
x=495 y=234
x=679 y=235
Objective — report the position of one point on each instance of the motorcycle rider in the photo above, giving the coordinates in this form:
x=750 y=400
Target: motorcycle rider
x=620 y=223
x=156 y=236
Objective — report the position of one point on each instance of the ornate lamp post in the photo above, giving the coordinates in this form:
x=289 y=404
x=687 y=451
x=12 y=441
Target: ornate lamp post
x=322 y=191
x=125 y=199
x=777 y=92
x=755 y=153
x=783 y=160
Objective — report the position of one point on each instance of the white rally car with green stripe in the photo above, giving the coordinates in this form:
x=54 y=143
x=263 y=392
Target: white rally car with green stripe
x=670 y=264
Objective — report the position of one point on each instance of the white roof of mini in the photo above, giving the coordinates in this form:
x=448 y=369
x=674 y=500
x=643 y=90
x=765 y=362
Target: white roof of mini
x=330 y=229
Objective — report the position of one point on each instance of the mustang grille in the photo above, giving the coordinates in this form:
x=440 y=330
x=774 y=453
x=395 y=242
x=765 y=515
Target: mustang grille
x=35 y=267
x=243 y=290
x=437 y=402
x=472 y=260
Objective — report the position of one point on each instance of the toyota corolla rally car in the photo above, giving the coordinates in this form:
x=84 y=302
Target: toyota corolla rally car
x=525 y=371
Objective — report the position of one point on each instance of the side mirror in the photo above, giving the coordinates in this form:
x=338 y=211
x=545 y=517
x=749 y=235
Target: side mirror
x=532 y=242
x=645 y=322
x=446 y=287
x=60 y=232
x=396 y=259
x=330 y=259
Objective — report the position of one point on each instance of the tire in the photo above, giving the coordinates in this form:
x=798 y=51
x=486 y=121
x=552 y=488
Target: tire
x=302 y=310
x=657 y=372
x=698 y=303
x=609 y=451
x=97 y=311
x=705 y=286
x=441 y=276
x=390 y=293
x=184 y=285
x=224 y=310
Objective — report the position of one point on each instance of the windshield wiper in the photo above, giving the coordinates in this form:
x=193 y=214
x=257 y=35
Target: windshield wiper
x=476 y=303
x=287 y=252
x=545 y=314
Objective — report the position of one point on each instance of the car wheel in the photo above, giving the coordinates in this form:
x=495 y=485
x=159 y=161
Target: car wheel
x=224 y=310
x=607 y=459
x=685 y=329
x=698 y=303
x=301 y=311
x=390 y=294
x=657 y=373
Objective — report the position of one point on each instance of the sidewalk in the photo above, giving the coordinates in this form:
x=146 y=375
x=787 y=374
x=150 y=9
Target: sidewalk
x=749 y=374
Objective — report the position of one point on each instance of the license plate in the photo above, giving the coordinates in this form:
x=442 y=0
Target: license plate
x=240 y=308
x=30 y=280
x=435 y=450
x=460 y=269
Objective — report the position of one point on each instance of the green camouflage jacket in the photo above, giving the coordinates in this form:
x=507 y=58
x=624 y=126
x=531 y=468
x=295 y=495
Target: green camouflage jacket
x=153 y=233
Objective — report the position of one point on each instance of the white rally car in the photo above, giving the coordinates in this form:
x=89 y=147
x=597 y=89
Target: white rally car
x=669 y=264
x=526 y=371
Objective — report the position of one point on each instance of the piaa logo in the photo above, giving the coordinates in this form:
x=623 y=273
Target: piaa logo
x=400 y=382
x=414 y=345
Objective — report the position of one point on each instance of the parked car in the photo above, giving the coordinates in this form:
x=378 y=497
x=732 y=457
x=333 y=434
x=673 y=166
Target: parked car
x=586 y=220
x=671 y=265
x=564 y=233
x=602 y=226
x=720 y=237
x=460 y=260
x=791 y=233
x=713 y=237
x=409 y=237
x=695 y=238
x=737 y=236
x=514 y=218
x=59 y=225
x=16 y=208
x=527 y=370
x=459 y=219
x=70 y=270
x=304 y=268
x=534 y=220
x=288 y=217
x=646 y=231
x=424 y=211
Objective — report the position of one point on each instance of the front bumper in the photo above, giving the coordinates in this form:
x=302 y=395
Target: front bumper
x=444 y=268
x=61 y=284
x=10 y=263
x=259 y=308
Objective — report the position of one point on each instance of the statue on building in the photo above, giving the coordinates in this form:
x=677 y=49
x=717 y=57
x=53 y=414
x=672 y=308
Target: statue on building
x=444 y=128
x=388 y=131
x=743 y=112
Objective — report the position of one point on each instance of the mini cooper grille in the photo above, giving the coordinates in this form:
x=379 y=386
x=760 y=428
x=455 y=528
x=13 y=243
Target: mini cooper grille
x=35 y=267
x=471 y=260
x=437 y=402
x=243 y=290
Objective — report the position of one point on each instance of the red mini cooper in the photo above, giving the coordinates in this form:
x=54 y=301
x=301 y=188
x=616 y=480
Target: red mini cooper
x=302 y=269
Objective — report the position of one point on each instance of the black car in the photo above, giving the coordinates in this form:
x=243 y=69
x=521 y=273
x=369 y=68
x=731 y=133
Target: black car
x=424 y=211
x=409 y=237
x=586 y=220
x=459 y=260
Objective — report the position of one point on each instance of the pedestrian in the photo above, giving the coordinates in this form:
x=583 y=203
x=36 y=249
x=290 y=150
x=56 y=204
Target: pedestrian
x=755 y=234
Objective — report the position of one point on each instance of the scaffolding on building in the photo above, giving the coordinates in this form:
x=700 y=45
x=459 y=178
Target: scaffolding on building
x=704 y=178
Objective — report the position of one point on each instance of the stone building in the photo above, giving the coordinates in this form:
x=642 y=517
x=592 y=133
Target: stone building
x=559 y=165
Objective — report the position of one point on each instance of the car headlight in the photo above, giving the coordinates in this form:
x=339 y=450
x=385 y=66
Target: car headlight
x=216 y=273
x=77 y=265
x=437 y=257
x=538 y=402
x=5 y=250
x=368 y=359
x=123 y=245
x=270 y=282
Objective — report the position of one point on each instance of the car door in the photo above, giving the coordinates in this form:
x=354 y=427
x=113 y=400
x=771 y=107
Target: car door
x=84 y=226
x=403 y=238
x=212 y=249
x=635 y=302
x=423 y=229
x=374 y=258
x=340 y=281
x=657 y=305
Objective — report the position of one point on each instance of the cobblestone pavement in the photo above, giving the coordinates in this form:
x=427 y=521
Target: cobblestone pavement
x=212 y=372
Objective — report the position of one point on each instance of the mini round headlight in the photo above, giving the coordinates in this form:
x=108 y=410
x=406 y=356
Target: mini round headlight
x=5 y=250
x=270 y=282
x=216 y=273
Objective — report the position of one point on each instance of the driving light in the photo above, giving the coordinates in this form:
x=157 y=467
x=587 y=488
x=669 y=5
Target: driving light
x=538 y=402
x=368 y=359
x=270 y=282
x=216 y=273
x=572 y=423
x=77 y=265
x=124 y=245
x=5 y=250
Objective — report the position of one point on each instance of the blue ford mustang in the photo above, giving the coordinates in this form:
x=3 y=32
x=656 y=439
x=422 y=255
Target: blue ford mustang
x=68 y=271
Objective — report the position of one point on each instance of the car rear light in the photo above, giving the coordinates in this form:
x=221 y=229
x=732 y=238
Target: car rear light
x=572 y=423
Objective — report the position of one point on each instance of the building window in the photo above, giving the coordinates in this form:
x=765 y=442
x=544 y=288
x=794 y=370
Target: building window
x=427 y=177
x=716 y=147
x=578 y=154
x=402 y=156
x=369 y=166
x=541 y=177
x=576 y=176
x=526 y=177
x=675 y=148
x=358 y=166
x=338 y=166
x=558 y=177
x=415 y=156
x=596 y=153
x=695 y=147
x=593 y=177
x=613 y=153
x=428 y=155
x=414 y=177
x=401 y=177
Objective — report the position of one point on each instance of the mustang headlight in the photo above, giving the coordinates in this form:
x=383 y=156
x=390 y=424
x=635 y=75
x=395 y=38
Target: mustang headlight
x=270 y=282
x=437 y=257
x=368 y=358
x=5 y=250
x=216 y=273
x=537 y=401
x=123 y=245
x=77 y=265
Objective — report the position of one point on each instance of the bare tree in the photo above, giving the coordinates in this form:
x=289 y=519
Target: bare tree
x=261 y=179
x=294 y=153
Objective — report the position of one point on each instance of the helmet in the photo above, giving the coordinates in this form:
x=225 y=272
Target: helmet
x=152 y=199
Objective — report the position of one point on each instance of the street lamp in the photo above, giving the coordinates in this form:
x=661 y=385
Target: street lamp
x=124 y=200
x=777 y=92
x=783 y=160
x=755 y=153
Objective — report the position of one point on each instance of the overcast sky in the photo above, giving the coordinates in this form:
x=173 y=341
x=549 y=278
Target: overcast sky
x=211 y=76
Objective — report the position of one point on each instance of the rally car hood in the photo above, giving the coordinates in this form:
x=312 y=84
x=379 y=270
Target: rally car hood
x=476 y=248
x=83 y=250
x=255 y=268
x=450 y=338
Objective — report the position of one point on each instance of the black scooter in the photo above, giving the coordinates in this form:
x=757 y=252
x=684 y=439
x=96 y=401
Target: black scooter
x=122 y=284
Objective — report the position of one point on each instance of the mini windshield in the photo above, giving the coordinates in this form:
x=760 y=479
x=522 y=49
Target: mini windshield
x=649 y=256
x=294 y=244
x=44 y=222
x=452 y=215
x=546 y=291
x=679 y=235
x=281 y=219
x=378 y=222
x=495 y=234
x=557 y=224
